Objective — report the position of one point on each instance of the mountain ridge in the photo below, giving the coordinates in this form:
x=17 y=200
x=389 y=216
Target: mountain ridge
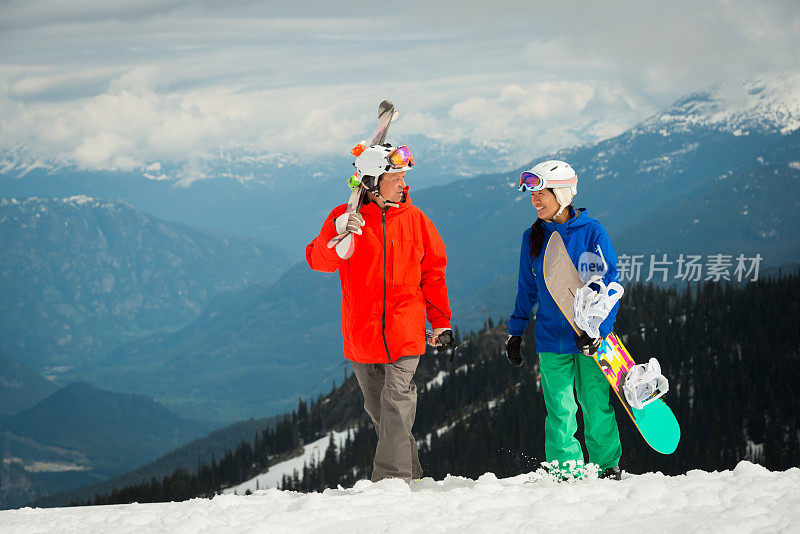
x=80 y=434
x=20 y=386
x=263 y=346
x=80 y=275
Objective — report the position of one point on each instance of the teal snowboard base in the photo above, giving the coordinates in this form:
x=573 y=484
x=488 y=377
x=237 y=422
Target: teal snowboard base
x=658 y=426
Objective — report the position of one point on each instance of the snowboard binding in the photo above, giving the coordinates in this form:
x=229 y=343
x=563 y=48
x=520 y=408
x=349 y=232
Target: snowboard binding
x=592 y=306
x=644 y=384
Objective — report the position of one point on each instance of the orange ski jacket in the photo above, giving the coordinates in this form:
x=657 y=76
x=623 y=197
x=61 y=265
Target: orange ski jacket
x=395 y=275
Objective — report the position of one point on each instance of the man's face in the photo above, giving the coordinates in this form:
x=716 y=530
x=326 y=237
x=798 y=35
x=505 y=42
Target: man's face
x=392 y=186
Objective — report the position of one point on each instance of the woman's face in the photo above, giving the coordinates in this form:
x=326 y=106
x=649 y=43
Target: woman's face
x=545 y=203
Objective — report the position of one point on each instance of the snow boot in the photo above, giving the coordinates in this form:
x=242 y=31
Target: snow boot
x=612 y=473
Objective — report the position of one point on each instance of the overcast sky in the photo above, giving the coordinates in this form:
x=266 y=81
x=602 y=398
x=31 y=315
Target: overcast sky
x=123 y=84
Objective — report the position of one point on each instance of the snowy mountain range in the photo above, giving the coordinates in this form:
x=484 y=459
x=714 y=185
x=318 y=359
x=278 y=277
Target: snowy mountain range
x=263 y=196
x=279 y=197
x=444 y=161
x=721 y=157
x=735 y=169
x=686 y=206
x=765 y=105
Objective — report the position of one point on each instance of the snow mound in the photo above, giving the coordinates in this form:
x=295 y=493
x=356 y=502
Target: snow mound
x=748 y=499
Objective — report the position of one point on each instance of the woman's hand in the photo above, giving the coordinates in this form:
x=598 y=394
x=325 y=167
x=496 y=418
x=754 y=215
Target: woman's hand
x=513 y=345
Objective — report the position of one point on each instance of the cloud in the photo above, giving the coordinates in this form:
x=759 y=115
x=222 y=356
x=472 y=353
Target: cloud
x=126 y=127
x=666 y=48
x=132 y=125
x=535 y=119
x=36 y=13
x=125 y=84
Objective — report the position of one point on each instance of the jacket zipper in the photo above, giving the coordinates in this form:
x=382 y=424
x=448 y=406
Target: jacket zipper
x=383 y=318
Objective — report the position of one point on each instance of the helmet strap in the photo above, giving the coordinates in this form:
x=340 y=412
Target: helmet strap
x=376 y=192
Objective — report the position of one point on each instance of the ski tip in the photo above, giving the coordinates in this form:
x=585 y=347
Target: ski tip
x=351 y=247
x=345 y=246
x=336 y=240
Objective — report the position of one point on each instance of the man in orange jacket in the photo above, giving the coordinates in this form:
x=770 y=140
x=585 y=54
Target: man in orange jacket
x=394 y=276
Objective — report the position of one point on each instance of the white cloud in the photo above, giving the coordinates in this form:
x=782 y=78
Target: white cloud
x=131 y=125
x=534 y=119
x=125 y=84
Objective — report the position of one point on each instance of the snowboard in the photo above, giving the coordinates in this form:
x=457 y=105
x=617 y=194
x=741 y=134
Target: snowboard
x=655 y=421
x=345 y=243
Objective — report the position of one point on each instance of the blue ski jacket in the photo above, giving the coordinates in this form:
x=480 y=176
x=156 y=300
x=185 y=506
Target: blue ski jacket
x=552 y=331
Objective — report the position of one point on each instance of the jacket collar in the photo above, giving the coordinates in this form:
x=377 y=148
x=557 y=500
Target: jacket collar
x=576 y=219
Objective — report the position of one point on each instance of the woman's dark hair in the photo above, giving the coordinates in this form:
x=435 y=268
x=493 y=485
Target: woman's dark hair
x=537 y=238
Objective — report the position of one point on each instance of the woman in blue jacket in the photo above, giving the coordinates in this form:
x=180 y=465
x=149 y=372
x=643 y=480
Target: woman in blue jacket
x=565 y=370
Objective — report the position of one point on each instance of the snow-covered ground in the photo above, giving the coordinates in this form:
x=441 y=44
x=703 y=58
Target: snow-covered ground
x=747 y=499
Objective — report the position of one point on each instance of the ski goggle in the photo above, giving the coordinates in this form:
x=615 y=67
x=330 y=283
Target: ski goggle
x=400 y=157
x=532 y=181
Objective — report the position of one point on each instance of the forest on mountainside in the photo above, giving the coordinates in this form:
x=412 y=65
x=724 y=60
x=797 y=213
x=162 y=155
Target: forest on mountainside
x=730 y=352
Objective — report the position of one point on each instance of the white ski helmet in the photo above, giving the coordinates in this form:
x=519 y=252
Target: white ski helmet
x=375 y=160
x=552 y=174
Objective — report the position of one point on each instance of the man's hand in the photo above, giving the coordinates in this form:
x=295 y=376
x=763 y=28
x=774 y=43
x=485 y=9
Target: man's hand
x=513 y=345
x=588 y=345
x=441 y=337
x=349 y=223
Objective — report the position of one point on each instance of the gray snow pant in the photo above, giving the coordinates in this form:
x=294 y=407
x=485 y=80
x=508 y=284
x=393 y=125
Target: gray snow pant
x=390 y=400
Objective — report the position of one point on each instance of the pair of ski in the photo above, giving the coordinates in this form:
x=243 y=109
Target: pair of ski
x=345 y=243
x=655 y=421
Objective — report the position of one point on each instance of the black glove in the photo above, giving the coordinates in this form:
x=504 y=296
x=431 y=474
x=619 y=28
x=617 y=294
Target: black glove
x=513 y=344
x=588 y=345
x=446 y=340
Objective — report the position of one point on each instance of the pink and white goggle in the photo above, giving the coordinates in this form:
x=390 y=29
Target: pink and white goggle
x=533 y=182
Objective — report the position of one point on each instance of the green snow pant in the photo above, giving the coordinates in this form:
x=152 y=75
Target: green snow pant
x=563 y=375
